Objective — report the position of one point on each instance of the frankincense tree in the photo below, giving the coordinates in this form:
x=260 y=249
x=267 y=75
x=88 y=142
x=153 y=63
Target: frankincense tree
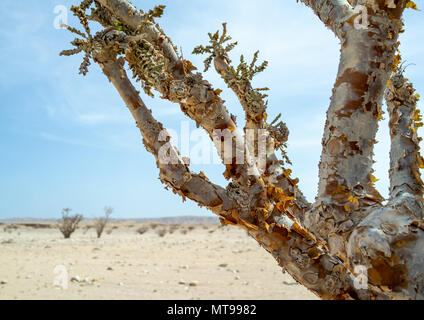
x=348 y=225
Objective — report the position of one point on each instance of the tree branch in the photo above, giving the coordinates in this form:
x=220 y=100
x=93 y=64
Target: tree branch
x=405 y=120
x=177 y=176
x=331 y=12
x=197 y=98
x=367 y=58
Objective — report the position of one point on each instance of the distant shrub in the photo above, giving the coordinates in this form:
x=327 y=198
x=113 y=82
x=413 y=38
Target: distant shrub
x=10 y=227
x=101 y=222
x=142 y=229
x=173 y=228
x=68 y=224
x=161 y=232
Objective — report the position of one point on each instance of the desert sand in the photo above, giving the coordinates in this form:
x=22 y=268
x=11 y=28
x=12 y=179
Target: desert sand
x=165 y=262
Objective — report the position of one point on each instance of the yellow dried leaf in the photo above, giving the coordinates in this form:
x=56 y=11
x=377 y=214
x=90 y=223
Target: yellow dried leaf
x=373 y=179
x=412 y=5
x=398 y=60
x=218 y=91
x=417 y=116
x=267 y=227
x=353 y=200
x=278 y=190
x=270 y=190
x=250 y=225
x=420 y=161
x=285 y=198
x=287 y=173
x=188 y=66
x=280 y=206
x=379 y=113
x=347 y=208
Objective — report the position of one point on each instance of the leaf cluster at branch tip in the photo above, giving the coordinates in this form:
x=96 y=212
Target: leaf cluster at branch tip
x=216 y=47
x=85 y=44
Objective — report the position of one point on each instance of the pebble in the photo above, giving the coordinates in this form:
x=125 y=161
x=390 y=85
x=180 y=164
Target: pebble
x=3 y=282
x=75 y=279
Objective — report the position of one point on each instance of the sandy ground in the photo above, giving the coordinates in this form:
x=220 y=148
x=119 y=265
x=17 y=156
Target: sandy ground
x=207 y=262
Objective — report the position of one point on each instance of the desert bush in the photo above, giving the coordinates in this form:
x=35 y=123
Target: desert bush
x=101 y=222
x=10 y=227
x=154 y=225
x=173 y=228
x=161 y=232
x=142 y=229
x=68 y=224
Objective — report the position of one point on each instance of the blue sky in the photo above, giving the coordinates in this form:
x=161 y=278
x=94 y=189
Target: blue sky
x=69 y=141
